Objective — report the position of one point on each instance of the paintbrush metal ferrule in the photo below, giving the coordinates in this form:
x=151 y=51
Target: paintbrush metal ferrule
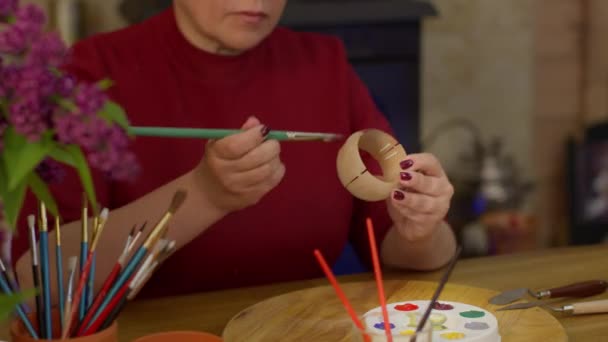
x=31 y=220
x=57 y=232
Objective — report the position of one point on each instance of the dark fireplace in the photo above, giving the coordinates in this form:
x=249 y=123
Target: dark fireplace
x=383 y=39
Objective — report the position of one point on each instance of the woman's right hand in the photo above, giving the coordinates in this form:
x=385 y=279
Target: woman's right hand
x=238 y=170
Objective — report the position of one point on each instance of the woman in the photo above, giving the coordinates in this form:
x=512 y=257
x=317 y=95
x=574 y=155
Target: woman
x=255 y=209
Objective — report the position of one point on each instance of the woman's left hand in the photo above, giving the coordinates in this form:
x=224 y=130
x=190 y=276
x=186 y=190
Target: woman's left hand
x=423 y=198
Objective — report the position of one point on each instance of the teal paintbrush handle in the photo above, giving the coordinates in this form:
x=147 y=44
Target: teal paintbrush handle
x=206 y=133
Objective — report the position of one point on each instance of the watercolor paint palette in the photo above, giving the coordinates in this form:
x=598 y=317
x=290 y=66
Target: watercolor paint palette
x=450 y=321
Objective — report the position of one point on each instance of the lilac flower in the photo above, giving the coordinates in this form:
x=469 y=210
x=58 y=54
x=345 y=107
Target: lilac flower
x=65 y=85
x=49 y=51
x=50 y=171
x=31 y=80
x=89 y=98
x=17 y=37
x=26 y=115
x=7 y=7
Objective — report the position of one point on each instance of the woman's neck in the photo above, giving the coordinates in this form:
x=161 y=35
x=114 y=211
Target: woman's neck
x=200 y=41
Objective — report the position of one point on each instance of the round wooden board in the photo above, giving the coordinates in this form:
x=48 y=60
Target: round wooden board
x=317 y=314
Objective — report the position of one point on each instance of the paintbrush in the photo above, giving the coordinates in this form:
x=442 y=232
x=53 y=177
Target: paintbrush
x=442 y=282
x=178 y=199
x=84 y=245
x=378 y=275
x=59 y=262
x=7 y=291
x=45 y=273
x=89 y=290
x=117 y=303
x=109 y=280
x=72 y=261
x=162 y=251
x=31 y=222
x=87 y=267
x=340 y=293
x=206 y=133
x=137 y=236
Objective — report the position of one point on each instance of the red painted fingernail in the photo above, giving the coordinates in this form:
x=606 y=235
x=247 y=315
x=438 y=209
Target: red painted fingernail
x=406 y=164
x=406 y=176
x=398 y=195
x=265 y=130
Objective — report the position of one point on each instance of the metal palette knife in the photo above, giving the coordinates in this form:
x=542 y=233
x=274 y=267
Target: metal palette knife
x=577 y=290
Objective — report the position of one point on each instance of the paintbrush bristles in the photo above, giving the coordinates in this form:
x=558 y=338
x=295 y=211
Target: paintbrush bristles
x=103 y=218
x=176 y=203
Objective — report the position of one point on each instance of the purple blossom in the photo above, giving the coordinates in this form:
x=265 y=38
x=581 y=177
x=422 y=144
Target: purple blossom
x=49 y=51
x=50 y=171
x=7 y=7
x=89 y=98
x=31 y=80
x=65 y=85
x=17 y=37
x=26 y=115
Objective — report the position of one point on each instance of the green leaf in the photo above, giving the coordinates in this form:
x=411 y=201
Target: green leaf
x=41 y=190
x=105 y=84
x=72 y=155
x=9 y=302
x=22 y=157
x=13 y=201
x=113 y=113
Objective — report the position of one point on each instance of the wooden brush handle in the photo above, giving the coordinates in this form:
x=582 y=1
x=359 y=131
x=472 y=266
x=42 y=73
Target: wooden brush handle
x=582 y=289
x=595 y=306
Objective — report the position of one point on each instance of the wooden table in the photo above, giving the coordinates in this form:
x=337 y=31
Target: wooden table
x=538 y=269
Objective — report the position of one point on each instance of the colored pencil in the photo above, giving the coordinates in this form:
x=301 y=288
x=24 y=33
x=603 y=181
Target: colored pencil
x=85 y=273
x=59 y=269
x=45 y=272
x=7 y=291
x=72 y=261
x=442 y=282
x=84 y=245
x=378 y=275
x=178 y=199
x=205 y=133
x=334 y=282
x=31 y=222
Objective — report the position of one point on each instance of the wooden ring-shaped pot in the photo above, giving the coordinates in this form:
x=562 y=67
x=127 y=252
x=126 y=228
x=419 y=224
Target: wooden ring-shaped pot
x=353 y=174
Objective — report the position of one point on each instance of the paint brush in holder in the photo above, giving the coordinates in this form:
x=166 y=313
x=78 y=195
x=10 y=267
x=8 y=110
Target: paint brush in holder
x=82 y=282
x=72 y=262
x=6 y=288
x=442 y=282
x=45 y=272
x=133 y=263
x=59 y=269
x=31 y=222
x=84 y=247
x=118 y=267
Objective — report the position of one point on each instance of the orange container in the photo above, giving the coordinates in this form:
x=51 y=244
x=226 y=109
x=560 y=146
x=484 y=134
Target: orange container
x=181 y=336
x=20 y=334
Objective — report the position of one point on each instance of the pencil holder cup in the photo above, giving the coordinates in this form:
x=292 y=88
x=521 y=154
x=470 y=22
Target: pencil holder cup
x=19 y=333
x=181 y=336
